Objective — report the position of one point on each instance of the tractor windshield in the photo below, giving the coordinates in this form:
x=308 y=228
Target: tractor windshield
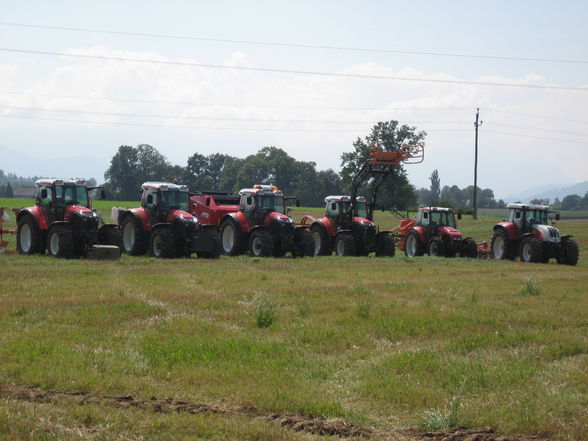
x=270 y=203
x=70 y=193
x=443 y=218
x=360 y=209
x=534 y=217
x=174 y=198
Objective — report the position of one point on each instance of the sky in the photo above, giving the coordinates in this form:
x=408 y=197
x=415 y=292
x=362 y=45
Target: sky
x=67 y=116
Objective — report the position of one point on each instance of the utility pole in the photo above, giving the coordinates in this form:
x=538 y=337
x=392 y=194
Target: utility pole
x=477 y=124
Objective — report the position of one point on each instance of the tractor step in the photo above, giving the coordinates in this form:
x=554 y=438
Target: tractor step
x=104 y=252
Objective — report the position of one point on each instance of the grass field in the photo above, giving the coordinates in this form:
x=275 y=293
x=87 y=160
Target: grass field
x=380 y=343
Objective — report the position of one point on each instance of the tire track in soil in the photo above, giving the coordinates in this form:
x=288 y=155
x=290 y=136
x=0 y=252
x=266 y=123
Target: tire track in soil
x=298 y=423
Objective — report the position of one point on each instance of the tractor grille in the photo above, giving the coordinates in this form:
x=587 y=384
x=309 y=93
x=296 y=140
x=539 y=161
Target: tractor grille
x=553 y=232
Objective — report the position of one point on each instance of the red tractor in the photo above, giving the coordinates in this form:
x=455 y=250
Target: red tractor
x=61 y=221
x=163 y=225
x=525 y=233
x=348 y=225
x=262 y=226
x=434 y=231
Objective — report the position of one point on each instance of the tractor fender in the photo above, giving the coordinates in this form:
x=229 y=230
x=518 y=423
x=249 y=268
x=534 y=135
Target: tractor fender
x=322 y=227
x=531 y=235
x=37 y=214
x=328 y=226
x=566 y=237
x=139 y=213
x=344 y=231
x=421 y=233
x=240 y=219
x=509 y=227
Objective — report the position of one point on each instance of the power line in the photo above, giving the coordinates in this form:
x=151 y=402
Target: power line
x=166 y=126
x=535 y=115
x=543 y=129
x=297 y=72
x=188 y=103
x=535 y=137
x=210 y=118
x=296 y=45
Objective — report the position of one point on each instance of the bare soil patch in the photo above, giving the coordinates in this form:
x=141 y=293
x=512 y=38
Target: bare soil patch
x=316 y=425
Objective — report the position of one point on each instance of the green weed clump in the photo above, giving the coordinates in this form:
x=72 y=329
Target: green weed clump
x=264 y=311
x=531 y=288
x=438 y=419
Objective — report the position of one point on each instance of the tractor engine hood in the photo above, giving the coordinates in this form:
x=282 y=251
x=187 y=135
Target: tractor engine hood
x=274 y=216
x=450 y=231
x=362 y=220
x=546 y=233
x=180 y=215
x=80 y=210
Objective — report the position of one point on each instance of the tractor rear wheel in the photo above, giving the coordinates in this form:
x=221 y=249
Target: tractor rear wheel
x=162 y=243
x=469 y=248
x=60 y=241
x=305 y=245
x=261 y=244
x=413 y=246
x=231 y=238
x=132 y=236
x=436 y=247
x=502 y=246
x=322 y=245
x=28 y=236
x=345 y=245
x=385 y=246
x=569 y=253
x=531 y=249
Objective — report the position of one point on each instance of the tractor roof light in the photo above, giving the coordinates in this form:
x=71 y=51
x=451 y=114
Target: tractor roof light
x=81 y=182
x=163 y=187
x=58 y=182
x=183 y=188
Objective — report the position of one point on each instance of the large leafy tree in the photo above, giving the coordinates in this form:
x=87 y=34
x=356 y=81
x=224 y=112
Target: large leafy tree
x=396 y=192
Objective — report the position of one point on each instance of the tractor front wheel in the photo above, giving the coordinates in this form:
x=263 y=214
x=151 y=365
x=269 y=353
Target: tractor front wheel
x=569 y=253
x=345 y=245
x=469 y=248
x=231 y=238
x=413 y=246
x=261 y=244
x=132 y=236
x=501 y=247
x=162 y=243
x=60 y=241
x=385 y=246
x=530 y=250
x=322 y=246
x=28 y=236
x=436 y=247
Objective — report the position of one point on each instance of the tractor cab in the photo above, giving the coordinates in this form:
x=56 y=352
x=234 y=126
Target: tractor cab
x=339 y=210
x=438 y=221
x=163 y=200
x=526 y=217
x=60 y=199
x=260 y=201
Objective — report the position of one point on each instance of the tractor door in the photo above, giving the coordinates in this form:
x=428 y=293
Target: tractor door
x=248 y=207
x=151 y=204
x=516 y=217
x=45 y=200
x=332 y=212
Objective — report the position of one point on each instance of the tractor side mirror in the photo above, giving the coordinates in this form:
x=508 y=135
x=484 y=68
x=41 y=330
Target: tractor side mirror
x=518 y=215
x=557 y=216
x=459 y=216
x=298 y=202
x=44 y=193
x=150 y=199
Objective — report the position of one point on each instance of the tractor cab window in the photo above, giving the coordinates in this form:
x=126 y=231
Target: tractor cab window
x=517 y=218
x=332 y=208
x=247 y=202
x=45 y=202
x=534 y=217
x=422 y=218
x=174 y=198
x=151 y=199
x=443 y=218
x=271 y=202
x=360 y=209
x=68 y=194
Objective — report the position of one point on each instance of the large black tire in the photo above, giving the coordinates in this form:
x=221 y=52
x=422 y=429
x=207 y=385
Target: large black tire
x=436 y=247
x=231 y=238
x=28 y=236
x=569 y=252
x=305 y=246
x=162 y=243
x=385 y=246
x=60 y=241
x=345 y=245
x=261 y=244
x=218 y=249
x=321 y=240
x=531 y=250
x=502 y=247
x=413 y=247
x=110 y=234
x=469 y=248
x=133 y=236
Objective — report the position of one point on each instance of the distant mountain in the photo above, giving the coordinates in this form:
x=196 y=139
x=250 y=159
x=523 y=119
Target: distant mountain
x=51 y=166
x=549 y=192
